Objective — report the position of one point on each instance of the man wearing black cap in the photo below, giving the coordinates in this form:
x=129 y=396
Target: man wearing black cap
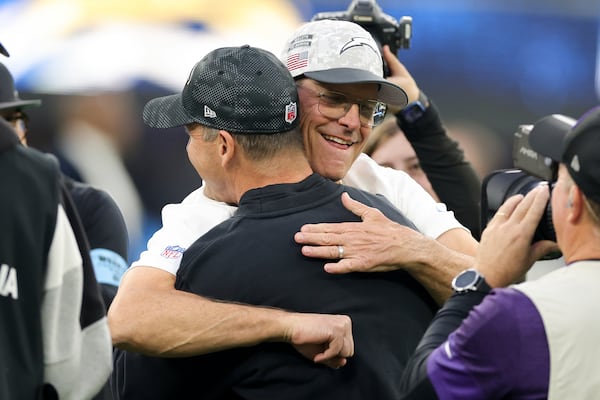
x=47 y=352
x=537 y=339
x=239 y=107
x=337 y=115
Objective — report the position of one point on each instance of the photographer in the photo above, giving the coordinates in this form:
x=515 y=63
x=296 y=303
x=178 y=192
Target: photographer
x=531 y=340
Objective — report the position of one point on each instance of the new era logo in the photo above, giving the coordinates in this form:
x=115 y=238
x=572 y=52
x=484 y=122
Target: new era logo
x=575 y=163
x=209 y=113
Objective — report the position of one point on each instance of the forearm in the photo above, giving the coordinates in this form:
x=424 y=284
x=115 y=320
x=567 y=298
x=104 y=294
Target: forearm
x=167 y=322
x=438 y=261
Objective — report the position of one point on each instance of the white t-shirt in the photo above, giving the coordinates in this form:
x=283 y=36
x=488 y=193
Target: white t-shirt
x=185 y=222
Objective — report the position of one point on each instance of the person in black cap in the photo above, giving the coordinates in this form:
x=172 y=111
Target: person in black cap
x=239 y=106
x=54 y=339
x=536 y=339
x=101 y=218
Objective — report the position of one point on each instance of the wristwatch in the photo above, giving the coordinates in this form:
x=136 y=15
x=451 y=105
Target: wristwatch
x=470 y=280
x=415 y=110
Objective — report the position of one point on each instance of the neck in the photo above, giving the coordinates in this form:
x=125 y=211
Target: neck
x=582 y=244
x=282 y=169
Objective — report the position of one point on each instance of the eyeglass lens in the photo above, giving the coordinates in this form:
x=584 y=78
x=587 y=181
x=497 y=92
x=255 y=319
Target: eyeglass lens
x=335 y=105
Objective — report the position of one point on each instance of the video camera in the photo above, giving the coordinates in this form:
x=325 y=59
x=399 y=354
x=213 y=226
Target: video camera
x=384 y=28
x=531 y=170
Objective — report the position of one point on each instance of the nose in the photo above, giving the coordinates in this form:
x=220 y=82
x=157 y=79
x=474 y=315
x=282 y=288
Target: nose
x=352 y=117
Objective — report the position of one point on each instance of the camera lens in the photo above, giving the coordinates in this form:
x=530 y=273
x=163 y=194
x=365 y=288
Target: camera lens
x=501 y=185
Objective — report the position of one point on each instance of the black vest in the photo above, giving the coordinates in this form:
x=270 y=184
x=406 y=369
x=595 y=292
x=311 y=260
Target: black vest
x=28 y=205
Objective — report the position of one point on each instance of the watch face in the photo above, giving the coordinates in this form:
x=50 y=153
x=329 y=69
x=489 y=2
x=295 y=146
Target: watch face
x=466 y=279
x=413 y=112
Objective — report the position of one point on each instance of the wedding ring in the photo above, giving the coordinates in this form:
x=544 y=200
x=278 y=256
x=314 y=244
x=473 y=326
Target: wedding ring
x=502 y=214
x=340 y=251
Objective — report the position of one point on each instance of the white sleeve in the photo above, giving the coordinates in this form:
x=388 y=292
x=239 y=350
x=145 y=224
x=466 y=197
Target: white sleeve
x=77 y=363
x=183 y=223
x=431 y=218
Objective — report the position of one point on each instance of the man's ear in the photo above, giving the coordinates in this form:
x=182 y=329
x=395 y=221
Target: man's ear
x=575 y=203
x=227 y=147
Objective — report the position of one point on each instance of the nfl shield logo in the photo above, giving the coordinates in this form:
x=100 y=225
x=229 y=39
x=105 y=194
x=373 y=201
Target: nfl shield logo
x=290 y=112
x=172 y=252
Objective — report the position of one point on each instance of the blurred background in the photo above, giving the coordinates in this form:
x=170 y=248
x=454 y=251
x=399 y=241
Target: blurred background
x=489 y=65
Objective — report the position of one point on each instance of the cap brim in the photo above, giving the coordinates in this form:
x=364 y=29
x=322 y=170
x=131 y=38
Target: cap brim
x=388 y=92
x=4 y=51
x=548 y=135
x=7 y=105
x=166 y=112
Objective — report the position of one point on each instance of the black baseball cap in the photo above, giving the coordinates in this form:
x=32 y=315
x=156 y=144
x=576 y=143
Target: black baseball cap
x=578 y=148
x=9 y=97
x=238 y=89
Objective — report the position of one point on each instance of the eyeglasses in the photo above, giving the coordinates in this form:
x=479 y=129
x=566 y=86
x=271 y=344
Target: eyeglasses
x=335 y=105
x=19 y=120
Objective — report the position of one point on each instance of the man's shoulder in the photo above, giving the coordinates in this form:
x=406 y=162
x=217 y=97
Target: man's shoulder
x=382 y=203
x=35 y=173
x=91 y=200
x=366 y=174
x=365 y=164
x=196 y=209
x=39 y=161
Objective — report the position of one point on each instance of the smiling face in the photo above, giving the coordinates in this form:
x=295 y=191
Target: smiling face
x=332 y=145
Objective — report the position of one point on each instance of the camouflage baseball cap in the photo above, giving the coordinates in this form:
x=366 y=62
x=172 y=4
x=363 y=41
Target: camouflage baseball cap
x=335 y=51
x=238 y=89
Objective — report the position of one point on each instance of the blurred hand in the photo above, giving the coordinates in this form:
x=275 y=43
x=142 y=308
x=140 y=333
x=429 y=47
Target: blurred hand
x=324 y=339
x=375 y=244
x=400 y=76
x=505 y=252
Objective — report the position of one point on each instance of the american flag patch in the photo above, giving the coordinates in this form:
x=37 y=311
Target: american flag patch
x=297 y=60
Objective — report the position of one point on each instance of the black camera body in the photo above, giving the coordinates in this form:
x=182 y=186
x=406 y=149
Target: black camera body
x=527 y=159
x=384 y=28
x=531 y=170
